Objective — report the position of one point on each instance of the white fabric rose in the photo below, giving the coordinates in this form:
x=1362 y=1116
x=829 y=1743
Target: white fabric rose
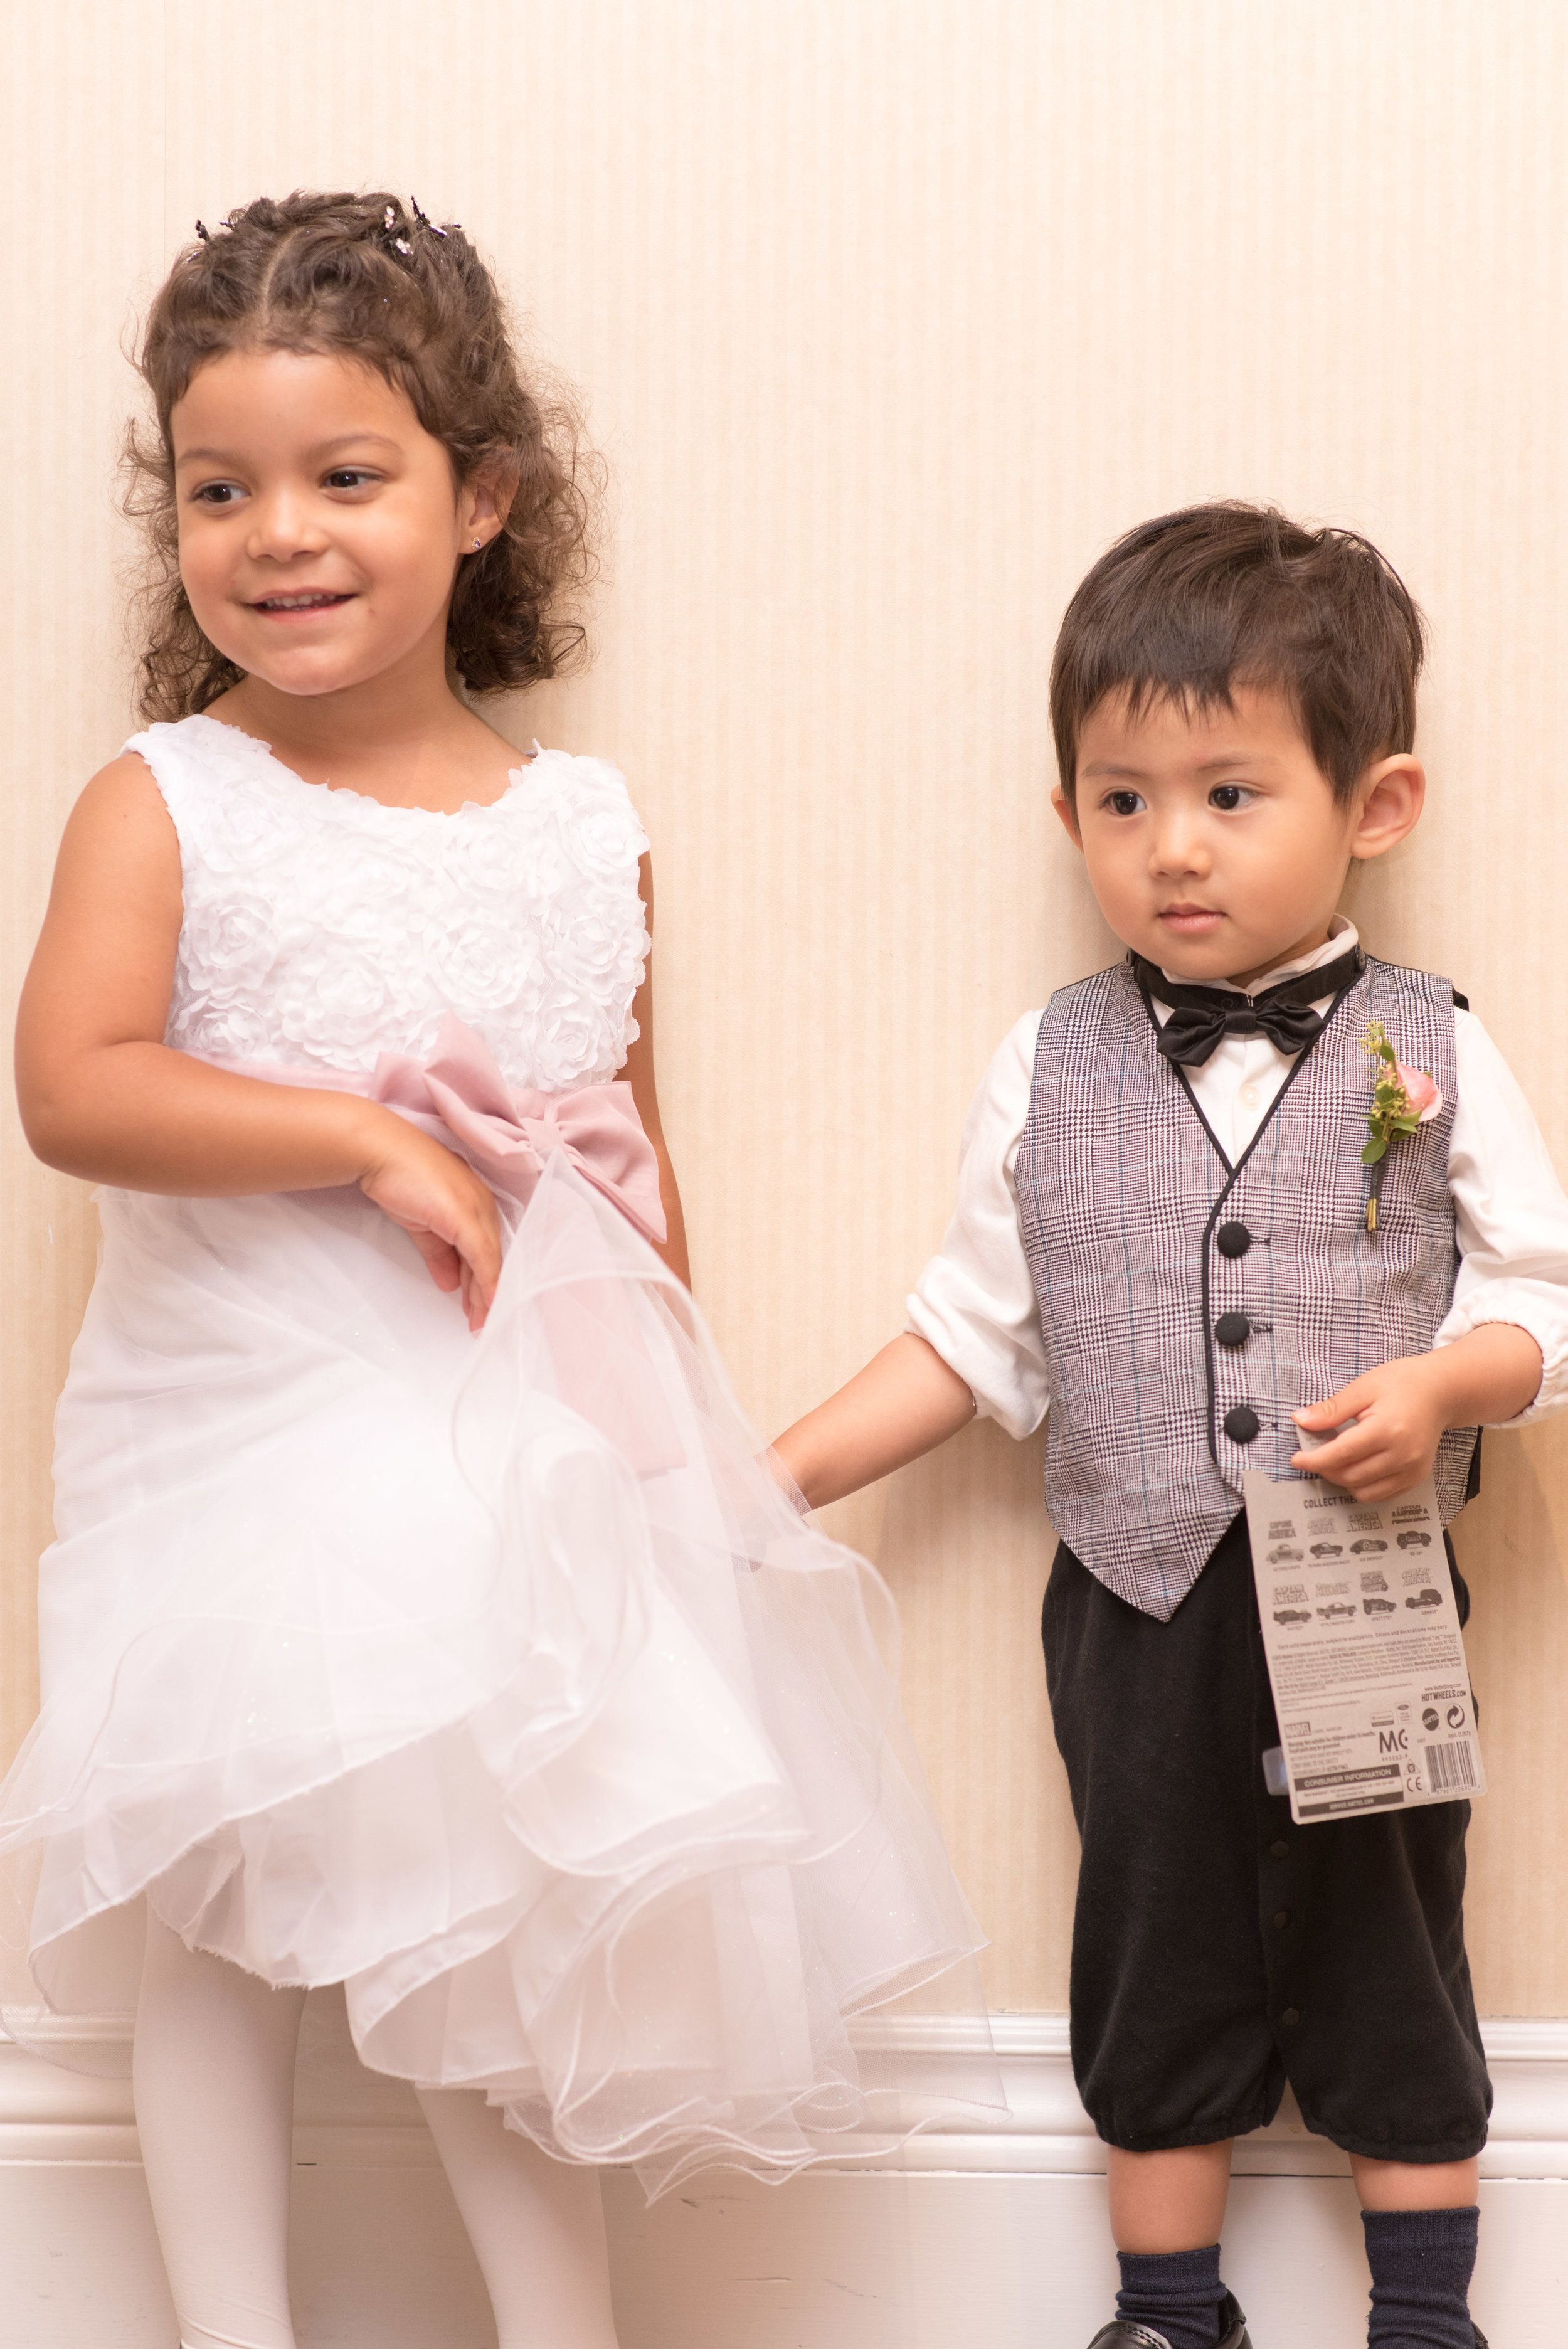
x=323 y=929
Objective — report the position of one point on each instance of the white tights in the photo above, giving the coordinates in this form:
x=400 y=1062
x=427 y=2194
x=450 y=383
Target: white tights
x=213 y=2075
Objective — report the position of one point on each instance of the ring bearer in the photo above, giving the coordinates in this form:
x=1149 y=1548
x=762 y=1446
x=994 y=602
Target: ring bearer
x=1168 y=1246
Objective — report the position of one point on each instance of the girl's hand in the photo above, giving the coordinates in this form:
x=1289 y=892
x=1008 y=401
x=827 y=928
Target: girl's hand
x=1400 y=1409
x=448 y=1211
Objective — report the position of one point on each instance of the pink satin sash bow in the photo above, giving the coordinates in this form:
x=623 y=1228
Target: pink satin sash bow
x=505 y=1136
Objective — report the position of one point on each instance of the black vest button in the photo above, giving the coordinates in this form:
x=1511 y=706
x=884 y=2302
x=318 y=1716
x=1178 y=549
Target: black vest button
x=1233 y=1329
x=1232 y=1239
x=1279 y=1849
x=1291 y=2017
x=1242 y=1424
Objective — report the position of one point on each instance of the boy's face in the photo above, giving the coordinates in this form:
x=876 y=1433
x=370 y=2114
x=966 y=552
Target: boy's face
x=1214 y=843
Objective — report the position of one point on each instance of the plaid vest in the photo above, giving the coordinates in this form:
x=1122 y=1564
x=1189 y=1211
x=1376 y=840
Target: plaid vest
x=1189 y=1306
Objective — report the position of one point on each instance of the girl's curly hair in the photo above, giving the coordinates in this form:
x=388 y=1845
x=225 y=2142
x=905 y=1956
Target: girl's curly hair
x=361 y=276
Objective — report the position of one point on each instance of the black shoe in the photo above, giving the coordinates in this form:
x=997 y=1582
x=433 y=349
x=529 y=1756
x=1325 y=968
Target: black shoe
x=1122 y=2333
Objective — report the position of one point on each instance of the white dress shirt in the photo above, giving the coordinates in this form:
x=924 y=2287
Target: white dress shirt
x=976 y=1301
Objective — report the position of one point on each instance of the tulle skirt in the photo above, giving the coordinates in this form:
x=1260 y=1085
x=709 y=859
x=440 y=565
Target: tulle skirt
x=494 y=1677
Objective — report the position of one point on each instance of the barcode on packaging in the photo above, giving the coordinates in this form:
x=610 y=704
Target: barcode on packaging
x=1451 y=1768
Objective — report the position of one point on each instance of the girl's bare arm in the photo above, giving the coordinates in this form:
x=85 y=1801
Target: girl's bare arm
x=103 y=1097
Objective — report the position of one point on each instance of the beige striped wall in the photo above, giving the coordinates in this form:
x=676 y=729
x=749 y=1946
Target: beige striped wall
x=889 y=313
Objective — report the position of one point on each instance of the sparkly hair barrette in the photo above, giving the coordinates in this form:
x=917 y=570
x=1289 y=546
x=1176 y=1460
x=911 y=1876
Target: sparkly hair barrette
x=392 y=230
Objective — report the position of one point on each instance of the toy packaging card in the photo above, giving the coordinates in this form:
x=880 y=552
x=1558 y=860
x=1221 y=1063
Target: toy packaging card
x=1365 y=1651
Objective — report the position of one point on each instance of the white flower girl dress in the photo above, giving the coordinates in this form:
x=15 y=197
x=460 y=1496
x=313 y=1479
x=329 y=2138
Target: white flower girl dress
x=492 y=1678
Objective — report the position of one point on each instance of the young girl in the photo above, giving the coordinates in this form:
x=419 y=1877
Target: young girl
x=421 y=1618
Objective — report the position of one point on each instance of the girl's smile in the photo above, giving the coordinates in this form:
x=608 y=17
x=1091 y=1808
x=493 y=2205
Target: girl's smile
x=303 y=605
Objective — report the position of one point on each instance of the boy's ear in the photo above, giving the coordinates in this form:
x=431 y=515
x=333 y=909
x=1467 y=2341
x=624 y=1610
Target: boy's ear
x=1389 y=798
x=1069 y=814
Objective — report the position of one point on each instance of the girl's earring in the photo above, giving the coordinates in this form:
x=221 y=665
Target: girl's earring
x=477 y=543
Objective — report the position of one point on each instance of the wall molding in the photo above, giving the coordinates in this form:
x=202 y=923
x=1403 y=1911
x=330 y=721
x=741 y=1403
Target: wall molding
x=49 y=2113
x=1047 y=2131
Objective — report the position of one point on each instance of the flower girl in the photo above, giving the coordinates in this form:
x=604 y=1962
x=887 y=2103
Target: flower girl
x=422 y=1618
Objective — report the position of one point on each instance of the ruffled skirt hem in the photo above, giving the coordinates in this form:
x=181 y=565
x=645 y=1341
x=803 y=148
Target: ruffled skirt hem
x=497 y=1680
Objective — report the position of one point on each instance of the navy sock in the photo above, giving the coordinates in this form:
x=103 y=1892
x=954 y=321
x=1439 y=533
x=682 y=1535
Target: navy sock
x=1178 y=2293
x=1421 y=2263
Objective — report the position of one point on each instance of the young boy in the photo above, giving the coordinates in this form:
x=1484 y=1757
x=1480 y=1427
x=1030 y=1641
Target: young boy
x=1161 y=1240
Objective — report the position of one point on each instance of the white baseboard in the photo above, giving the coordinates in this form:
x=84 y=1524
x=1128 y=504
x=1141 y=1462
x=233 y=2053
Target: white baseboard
x=991 y=2231
x=1046 y=2132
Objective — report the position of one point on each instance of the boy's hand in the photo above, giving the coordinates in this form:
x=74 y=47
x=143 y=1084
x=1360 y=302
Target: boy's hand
x=1400 y=1412
x=1401 y=1409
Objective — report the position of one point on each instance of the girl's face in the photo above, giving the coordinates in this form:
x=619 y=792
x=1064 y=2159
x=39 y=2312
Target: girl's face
x=320 y=529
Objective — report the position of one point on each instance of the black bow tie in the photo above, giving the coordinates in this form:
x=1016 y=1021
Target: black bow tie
x=1202 y=1016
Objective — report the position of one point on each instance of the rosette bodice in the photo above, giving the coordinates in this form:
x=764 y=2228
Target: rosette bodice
x=322 y=929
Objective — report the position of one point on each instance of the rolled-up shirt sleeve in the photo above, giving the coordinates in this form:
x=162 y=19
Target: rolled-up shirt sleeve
x=975 y=1302
x=1511 y=1215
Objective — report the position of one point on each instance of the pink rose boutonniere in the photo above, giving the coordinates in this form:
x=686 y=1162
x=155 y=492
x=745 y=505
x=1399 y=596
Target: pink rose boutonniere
x=1402 y=1100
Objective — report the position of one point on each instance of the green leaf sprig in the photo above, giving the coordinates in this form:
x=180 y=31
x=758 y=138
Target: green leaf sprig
x=1392 y=1113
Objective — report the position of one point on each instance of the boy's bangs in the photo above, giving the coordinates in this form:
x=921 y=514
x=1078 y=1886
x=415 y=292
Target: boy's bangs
x=1195 y=606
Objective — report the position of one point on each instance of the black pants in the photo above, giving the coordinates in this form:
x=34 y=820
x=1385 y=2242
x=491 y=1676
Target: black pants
x=1219 y=1950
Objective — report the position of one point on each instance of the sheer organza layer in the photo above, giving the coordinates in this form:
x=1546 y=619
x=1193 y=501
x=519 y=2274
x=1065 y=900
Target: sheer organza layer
x=494 y=1677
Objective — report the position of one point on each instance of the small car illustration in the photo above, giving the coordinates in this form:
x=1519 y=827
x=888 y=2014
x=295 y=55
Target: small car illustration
x=1366 y=1547
x=1285 y=1555
x=1415 y=1541
x=1327 y=1550
x=1293 y=1615
x=1340 y=1607
x=1425 y=1598
x=1378 y=1606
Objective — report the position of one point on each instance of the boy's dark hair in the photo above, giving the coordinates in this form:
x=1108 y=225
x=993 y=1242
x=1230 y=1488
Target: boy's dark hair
x=1191 y=606
x=367 y=278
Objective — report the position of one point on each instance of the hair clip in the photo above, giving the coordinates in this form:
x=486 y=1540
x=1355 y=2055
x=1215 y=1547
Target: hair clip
x=427 y=225
x=389 y=230
x=205 y=232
